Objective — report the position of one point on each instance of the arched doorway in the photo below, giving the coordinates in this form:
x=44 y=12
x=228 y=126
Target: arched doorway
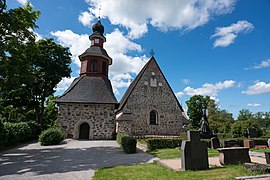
x=84 y=131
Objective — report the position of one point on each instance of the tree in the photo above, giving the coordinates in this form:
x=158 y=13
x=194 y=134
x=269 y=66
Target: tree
x=51 y=112
x=244 y=115
x=239 y=128
x=195 y=106
x=29 y=70
x=44 y=67
x=220 y=121
x=15 y=36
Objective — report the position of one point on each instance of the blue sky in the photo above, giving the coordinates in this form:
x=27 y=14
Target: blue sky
x=218 y=48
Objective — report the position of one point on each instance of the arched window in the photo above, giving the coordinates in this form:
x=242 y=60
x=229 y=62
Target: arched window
x=153 y=117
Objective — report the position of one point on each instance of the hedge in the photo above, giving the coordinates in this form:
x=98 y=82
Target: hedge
x=128 y=144
x=51 y=136
x=21 y=132
x=3 y=135
x=160 y=143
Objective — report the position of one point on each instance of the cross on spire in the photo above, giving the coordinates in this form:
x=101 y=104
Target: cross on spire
x=152 y=53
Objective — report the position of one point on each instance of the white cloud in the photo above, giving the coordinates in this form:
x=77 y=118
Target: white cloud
x=86 y=18
x=258 y=88
x=179 y=94
x=77 y=43
x=254 y=105
x=209 y=89
x=23 y=2
x=64 y=84
x=186 y=81
x=123 y=65
x=121 y=81
x=136 y=16
x=263 y=64
x=226 y=35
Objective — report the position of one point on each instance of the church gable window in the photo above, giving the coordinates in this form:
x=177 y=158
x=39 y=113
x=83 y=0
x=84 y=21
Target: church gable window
x=153 y=117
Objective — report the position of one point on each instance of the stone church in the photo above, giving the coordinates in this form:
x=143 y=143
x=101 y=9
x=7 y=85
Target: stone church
x=88 y=109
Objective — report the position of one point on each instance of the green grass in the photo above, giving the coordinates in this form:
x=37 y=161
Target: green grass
x=260 y=150
x=172 y=153
x=158 y=172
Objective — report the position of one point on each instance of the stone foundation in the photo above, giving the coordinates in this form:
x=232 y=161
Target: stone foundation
x=100 y=117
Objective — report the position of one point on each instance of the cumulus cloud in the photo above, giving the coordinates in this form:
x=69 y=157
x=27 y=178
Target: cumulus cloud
x=254 y=105
x=76 y=43
x=121 y=81
x=226 y=35
x=176 y=15
x=209 y=89
x=123 y=65
x=258 y=88
x=86 y=18
x=64 y=84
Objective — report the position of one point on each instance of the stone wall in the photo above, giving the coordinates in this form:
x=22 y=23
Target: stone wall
x=152 y=92
x=100 y=117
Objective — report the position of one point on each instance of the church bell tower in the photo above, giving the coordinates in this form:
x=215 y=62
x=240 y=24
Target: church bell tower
x=95 y=61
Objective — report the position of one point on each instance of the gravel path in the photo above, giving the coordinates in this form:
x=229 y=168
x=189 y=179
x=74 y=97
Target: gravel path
x=71 y=160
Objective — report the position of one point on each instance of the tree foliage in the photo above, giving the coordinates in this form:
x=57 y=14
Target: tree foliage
x=239 y=128
x=30 y=69
x=244 y=115
x=196 y=104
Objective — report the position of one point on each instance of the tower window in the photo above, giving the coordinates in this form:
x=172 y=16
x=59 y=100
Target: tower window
x=104 y=68
x=93 y=66
x=153 y=117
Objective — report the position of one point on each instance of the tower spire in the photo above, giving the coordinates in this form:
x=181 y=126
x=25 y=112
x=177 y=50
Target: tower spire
x=99 y=10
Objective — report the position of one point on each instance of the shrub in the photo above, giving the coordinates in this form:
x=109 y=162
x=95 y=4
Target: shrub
x=51 y=136
x=3 y=135
x=35 y=128
x=119 y=137
x=18 y=132
x=128 y=144
x=160 y=143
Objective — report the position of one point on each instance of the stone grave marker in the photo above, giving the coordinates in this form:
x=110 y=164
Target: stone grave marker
x=194 y=153
x=215 y=143
x=252 y=132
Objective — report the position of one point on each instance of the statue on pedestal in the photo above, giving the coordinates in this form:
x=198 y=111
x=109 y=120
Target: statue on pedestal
x=205 y=131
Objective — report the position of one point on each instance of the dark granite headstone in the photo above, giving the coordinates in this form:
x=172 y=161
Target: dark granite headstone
x=252 y=132
x=215 y=143
x=194 y=153
x=233 y=155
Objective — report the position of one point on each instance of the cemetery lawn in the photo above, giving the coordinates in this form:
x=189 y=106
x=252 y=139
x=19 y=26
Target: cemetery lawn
x=172 y=153
x=260 y=149
x=155 y=171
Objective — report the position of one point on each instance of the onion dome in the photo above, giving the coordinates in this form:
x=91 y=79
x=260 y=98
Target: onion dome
x=98 y=27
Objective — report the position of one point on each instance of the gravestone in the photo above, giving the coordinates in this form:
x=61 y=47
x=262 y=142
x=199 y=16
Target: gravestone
x=215 y=143
x=194 y=153
x=268 y=143
x=252 y=132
